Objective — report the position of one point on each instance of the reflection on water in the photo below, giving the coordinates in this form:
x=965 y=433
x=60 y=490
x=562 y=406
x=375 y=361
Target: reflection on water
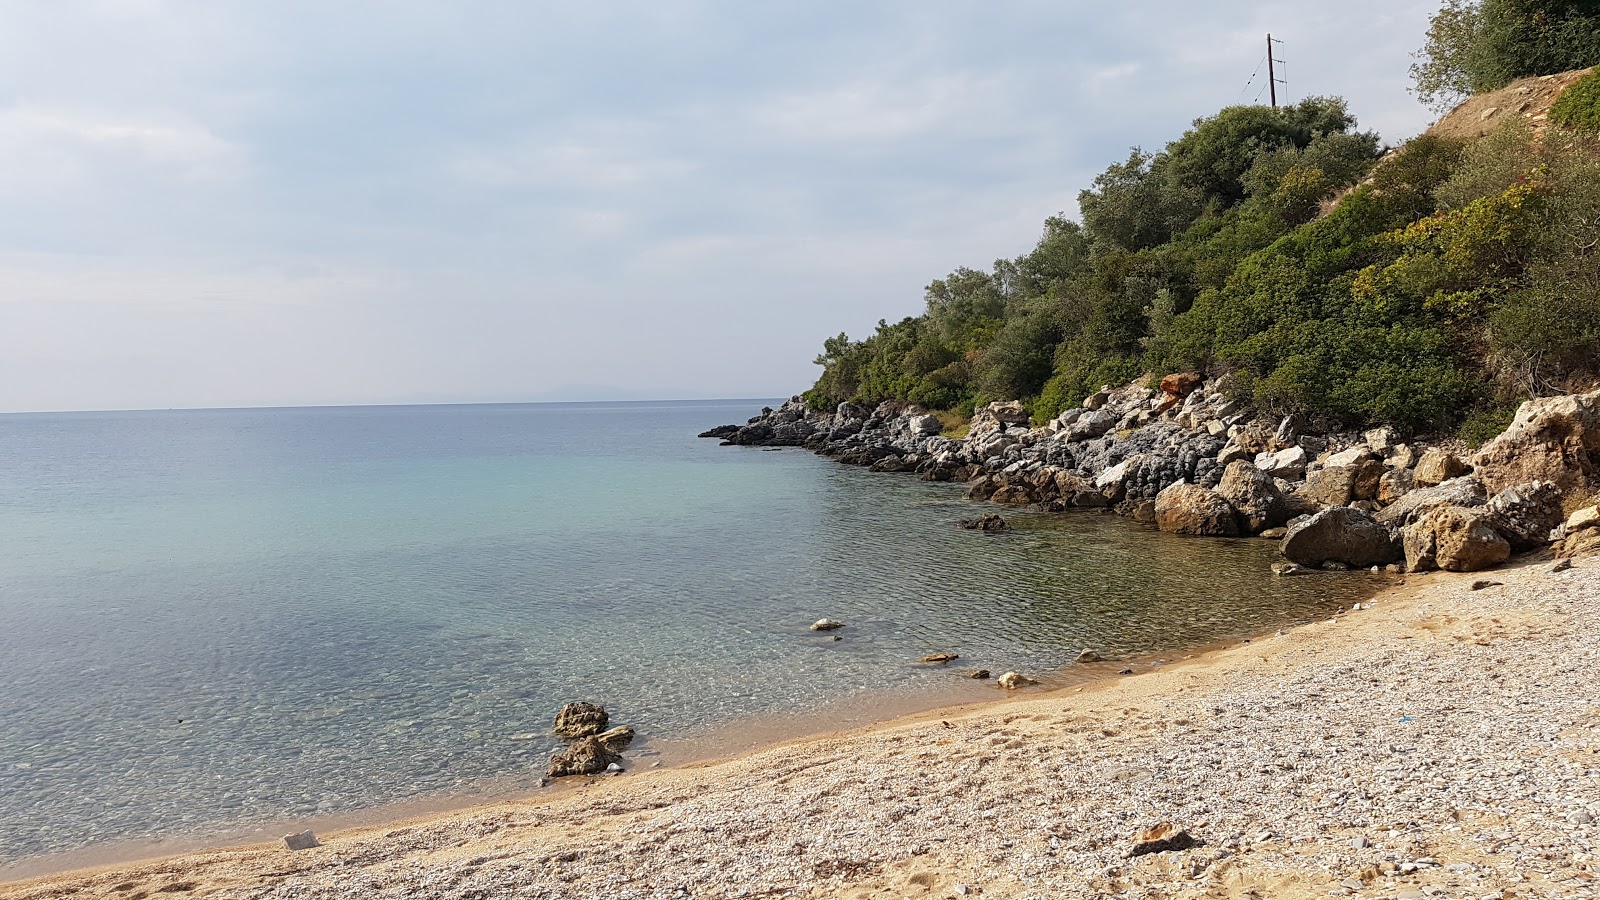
x=209 y=618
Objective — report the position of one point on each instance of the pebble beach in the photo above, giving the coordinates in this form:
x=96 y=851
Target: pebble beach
x=1441 y=741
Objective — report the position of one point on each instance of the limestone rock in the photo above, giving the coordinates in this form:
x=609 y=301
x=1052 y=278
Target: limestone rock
x=1554 y=439
x=1464 y=491
x=939 y=659
x=1013 y=495
x=1289 y=463
x=1340 y=534
x=1339 y=485
x=1526 y=513
x=1254 y=495
x=586 y=756
x=1011 y=681
x=826 y=625
x=1161 y=838
x=304 y=840
x=1192 y=509
x=924 y=425
x=1456 y=539
x=576 y=720
x=615 y=739
x=1393 y=485
x=1437 y=466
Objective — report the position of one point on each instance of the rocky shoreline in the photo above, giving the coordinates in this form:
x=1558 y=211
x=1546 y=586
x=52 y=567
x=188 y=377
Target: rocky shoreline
x=1188 y=460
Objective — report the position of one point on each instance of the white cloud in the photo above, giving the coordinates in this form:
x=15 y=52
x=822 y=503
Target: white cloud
x=887 y=109
x=37 y=142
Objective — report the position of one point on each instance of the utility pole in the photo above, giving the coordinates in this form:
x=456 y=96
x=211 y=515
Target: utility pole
x=1272 y=78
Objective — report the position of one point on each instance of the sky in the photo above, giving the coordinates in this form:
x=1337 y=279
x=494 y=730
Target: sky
x=217 y=203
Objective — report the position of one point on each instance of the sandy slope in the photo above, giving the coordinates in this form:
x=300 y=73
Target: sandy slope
x=1445 y=742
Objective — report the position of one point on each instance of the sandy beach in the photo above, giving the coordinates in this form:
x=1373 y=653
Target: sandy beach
x=1440 y=741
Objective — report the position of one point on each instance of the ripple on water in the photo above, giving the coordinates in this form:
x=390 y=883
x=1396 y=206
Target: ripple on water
x=263 y=615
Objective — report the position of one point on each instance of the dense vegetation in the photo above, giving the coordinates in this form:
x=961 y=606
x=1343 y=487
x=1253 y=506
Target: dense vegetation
x=1431 y=289
x=1474 y=47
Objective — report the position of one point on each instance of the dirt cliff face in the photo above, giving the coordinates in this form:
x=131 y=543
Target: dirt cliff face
x=1528 y=100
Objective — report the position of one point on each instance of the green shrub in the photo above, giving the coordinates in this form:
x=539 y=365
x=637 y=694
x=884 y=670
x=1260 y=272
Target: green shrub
x=1578 y=107
x=1485 y=424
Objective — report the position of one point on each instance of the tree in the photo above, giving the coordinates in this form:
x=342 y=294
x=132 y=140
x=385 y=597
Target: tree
x=1474 y=47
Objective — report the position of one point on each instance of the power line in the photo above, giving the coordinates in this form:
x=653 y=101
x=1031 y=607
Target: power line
x=1251 y=80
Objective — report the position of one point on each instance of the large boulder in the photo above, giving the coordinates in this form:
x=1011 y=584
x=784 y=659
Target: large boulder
x=1526 y=513
x=1438 y=466
x=1465 y=491
x=924 y=425
x=1192 y=509
x=1456 y=539
x=577 y=720
x=1394 y=484
x=1340 y=534
x=1583 y=532
x=1254 y=495
x=1339 y=485
x=1556 y=439
x=997 y=416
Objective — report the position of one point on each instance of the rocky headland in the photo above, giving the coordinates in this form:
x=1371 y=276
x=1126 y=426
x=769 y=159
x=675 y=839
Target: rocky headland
x=1186 y=459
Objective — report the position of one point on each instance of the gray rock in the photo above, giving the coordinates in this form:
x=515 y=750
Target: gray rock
x=304 y=840
x=1290 y=463
x=1525 y=514
x=826 y=625
x=1466 y=491
x=1340 y=534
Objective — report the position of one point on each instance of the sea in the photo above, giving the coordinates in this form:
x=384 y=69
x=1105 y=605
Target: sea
x=222 y=624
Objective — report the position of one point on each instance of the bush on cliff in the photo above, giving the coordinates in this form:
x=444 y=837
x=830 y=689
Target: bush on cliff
x=1578 y=107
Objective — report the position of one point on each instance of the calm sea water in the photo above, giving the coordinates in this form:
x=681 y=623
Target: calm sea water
x=210 y=618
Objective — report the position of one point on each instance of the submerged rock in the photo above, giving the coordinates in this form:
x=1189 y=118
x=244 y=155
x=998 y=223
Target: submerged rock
x=939 y=658
x=826 y=625
x=577 y=720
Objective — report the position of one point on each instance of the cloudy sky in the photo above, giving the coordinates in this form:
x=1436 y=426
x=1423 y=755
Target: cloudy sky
x=215 y=203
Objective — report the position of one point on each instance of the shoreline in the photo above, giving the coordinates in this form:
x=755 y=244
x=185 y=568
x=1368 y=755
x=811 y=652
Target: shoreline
x=1398 y=615
x=700 y=747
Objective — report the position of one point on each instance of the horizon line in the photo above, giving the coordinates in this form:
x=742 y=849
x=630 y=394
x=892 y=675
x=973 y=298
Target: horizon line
x=274 y=406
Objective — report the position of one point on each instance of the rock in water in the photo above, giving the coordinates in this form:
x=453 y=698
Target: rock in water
x=305 y=840
x=1340 y=534
x=586 y=756
x=979 y=674
x=1254 y=495
x=1089 y=656
x=989 y=524
x=940 y=658
x=1161 y=838
x=1192 y=509
x=1011 y=681
x=826 y=625
x=1455 y=539
x=577 y=720
x=616 y=739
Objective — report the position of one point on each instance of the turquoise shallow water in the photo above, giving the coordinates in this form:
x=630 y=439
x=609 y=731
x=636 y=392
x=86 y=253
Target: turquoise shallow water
x=210 y=618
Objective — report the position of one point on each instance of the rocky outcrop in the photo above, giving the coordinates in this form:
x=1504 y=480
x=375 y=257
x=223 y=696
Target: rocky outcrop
x=1456 y=539
x=1342 y=535
x=1179 y=456
x=1555 y=439
x=1192 y=509
x=991 y=524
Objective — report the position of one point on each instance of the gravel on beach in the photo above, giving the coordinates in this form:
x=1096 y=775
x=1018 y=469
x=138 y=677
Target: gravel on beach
x=1443 y=742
